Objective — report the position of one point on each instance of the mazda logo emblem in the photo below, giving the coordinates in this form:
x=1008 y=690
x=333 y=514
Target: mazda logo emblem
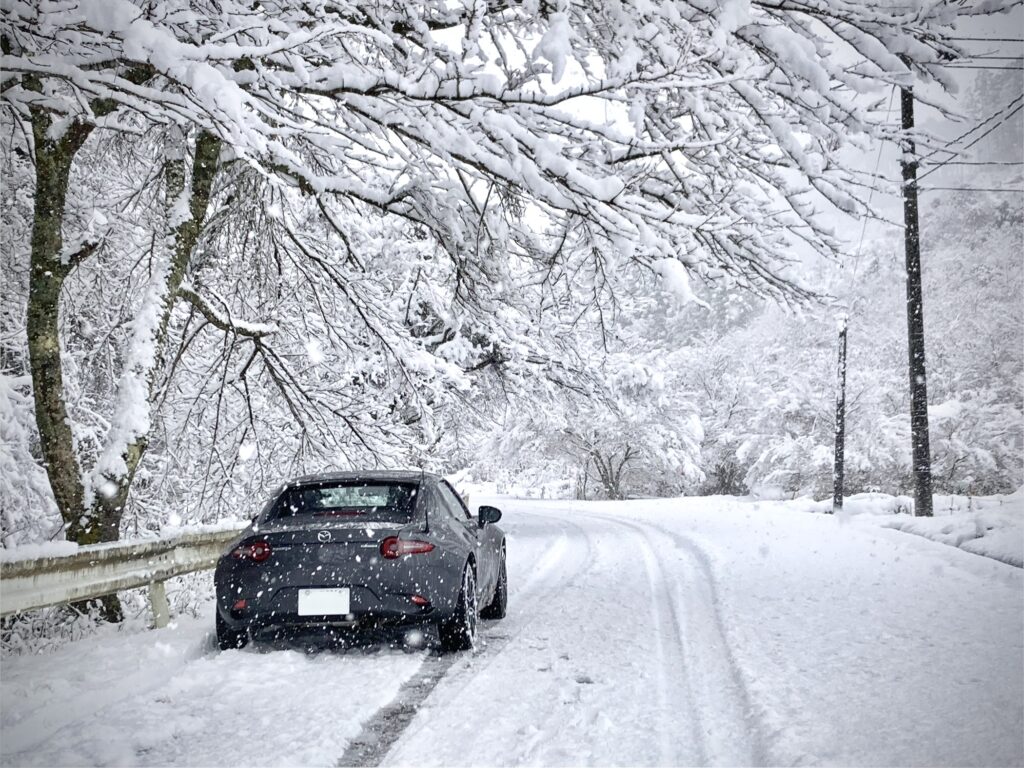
x=323 y=537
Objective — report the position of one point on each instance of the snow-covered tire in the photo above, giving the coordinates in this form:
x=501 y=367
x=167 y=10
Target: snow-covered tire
x=228 y=638
x=459 y=632
x=499 y=603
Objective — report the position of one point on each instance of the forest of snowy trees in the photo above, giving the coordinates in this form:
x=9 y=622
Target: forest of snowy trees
x=533 y=240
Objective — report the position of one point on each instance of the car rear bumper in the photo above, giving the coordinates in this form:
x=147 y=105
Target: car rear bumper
x=367 y=612
x=287 y=625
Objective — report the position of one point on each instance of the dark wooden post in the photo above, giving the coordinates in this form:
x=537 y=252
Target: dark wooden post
x=915 y=313
x=838 y=472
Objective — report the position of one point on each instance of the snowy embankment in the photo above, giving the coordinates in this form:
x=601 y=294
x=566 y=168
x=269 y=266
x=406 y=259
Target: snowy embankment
x=711 y=631
x=992 y=526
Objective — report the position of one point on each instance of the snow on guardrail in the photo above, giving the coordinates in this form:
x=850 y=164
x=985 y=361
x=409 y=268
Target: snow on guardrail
x=52 y=575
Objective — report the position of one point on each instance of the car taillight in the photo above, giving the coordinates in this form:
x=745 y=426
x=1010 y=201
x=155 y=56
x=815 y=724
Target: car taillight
x=257 y=551
x=393 y=547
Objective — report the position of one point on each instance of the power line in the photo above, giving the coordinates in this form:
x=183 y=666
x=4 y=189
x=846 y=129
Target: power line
x=1005 y=118
x=969 y=131
x=980 y=162
x=969 y=188
x=878 y=161
x=984 y=66
x=982 y=136
x=988 y=39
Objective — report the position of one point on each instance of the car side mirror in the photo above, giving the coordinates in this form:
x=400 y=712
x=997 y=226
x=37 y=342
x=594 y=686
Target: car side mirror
x=488 y=515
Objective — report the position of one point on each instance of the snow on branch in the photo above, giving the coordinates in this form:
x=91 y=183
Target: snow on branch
x=221 y=317
x=700 y=130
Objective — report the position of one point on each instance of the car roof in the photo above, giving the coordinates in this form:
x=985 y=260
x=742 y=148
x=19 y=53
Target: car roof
x=371 y=475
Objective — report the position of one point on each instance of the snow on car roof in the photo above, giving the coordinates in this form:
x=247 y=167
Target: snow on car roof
x=376 y=475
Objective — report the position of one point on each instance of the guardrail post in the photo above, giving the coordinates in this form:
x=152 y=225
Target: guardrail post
x=158 y=602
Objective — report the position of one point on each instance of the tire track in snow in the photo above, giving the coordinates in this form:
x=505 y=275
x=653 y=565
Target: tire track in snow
x=701 y=709
x=669 y=747
x=701 y=560
x=388 y=723
x=386 y=726
x=723 y=717
x=657 y=708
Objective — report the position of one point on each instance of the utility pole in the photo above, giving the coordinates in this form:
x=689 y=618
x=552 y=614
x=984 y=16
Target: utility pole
x=915 y=313
x=838 y=472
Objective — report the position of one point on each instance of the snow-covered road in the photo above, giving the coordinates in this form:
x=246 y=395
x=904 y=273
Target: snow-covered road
x=613 y=654
x=697 y=631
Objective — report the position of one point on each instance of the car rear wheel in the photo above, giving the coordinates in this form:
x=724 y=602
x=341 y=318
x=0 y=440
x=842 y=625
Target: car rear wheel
x=459 y=632
x=228 y=638
x=499 y=603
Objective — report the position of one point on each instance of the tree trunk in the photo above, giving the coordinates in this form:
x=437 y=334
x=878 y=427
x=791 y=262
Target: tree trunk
x=108 y=507
x=54 y=155
x=839 y=468
x=53 y=159
x=607 y=475
x=48 y=271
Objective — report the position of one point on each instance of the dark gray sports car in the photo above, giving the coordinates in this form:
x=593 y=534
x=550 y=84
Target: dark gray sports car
x=356 y=551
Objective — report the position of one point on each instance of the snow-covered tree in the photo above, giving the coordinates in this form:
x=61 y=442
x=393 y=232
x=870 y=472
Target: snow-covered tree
x=638 y=435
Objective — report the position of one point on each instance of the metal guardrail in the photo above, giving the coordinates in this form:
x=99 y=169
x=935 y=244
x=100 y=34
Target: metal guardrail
x=102 y=569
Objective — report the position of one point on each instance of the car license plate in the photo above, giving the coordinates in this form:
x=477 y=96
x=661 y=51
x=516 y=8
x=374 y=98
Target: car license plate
x=323 y=602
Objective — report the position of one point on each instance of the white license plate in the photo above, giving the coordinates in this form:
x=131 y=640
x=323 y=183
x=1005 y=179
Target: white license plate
x=323 y=602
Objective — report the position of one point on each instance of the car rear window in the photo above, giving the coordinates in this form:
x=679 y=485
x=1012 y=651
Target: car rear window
x=352 y=499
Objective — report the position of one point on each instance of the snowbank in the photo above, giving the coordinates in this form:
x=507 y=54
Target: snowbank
x=992 y=526
x=861 y=504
